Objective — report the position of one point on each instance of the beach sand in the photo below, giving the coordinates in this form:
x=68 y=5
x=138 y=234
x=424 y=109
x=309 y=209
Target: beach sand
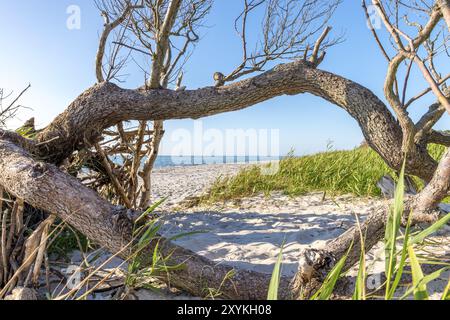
x=250 y=232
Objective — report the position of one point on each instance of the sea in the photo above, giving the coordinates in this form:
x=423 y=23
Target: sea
x=174 y=161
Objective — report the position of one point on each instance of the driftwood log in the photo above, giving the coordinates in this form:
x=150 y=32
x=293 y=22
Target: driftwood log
x=46 y=187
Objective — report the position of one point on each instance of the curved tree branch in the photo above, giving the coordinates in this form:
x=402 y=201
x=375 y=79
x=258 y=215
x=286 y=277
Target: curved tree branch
x=106 y=104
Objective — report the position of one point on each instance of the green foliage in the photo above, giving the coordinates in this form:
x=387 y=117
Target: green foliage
x=419 y=238
x=336 y=172
x=398 y=272
x=393 y=228
x=213 y=293
x=145 y=232
x=396 y=261
x=272 y=293
x=446 y=294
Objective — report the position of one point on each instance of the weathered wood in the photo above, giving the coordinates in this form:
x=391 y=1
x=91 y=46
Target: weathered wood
x=46 y=187
x=316 y=264
x=106 y=104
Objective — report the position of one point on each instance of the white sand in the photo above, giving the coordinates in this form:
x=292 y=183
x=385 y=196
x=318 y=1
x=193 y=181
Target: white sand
x=180 y=183
x=248 y=233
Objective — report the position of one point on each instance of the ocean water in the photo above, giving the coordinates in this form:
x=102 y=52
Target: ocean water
x=171 y=161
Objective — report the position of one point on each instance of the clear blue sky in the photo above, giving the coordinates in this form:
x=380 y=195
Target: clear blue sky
x=37 y=48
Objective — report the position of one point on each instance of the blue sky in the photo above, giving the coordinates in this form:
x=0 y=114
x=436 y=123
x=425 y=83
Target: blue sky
x=37 y=48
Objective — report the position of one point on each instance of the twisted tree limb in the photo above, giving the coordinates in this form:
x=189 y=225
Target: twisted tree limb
x=106 y=104
x=46 y=187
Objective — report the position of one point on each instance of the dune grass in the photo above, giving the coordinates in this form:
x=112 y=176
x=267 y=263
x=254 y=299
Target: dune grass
x=396 y=261
x=354 y=172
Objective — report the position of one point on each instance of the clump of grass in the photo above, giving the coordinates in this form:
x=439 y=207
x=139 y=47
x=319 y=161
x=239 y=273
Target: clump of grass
x=396 y=261
x=354 y=172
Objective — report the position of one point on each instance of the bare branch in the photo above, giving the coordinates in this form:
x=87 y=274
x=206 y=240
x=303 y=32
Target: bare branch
x=424 y=92
x=108 y=27
x=315 y=54
x=287 y=29
x=439 y=137
x=11 y=110
x=445 y=9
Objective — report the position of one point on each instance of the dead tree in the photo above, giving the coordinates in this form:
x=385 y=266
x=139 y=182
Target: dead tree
x=30 y=169
x=163 y=32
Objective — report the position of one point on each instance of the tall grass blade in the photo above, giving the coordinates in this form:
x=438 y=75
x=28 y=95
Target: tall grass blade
x=272 y=293
x=360 y=285
x=446 y=294
x=402 y=263
x=420 y=288
x=430 y=230
x=150 y=209
x=186 y=234
x=392 y=229
x=424 y=281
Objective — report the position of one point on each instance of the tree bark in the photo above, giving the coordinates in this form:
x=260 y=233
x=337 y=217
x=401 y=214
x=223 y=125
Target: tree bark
x=106 y=104
x=46 y=187
x=438 y=188
x=316 y=264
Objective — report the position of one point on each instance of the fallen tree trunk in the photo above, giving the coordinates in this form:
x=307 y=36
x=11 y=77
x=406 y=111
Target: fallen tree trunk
x=46 y=187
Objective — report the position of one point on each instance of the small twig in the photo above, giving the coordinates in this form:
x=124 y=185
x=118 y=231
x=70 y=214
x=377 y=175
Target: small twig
x=47 y=141
x=119 y=188
x=315 y=59
x=18 y=97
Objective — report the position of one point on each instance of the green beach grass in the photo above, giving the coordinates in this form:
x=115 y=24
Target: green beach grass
x=354 y=172
x=397 y=261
